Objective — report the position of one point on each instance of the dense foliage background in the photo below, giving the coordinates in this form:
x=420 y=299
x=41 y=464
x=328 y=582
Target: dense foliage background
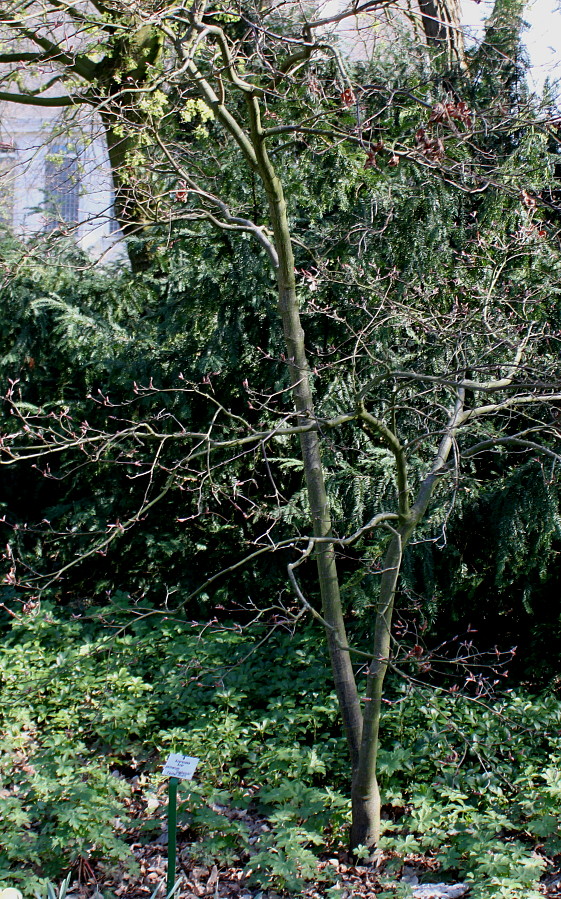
x=116 y=650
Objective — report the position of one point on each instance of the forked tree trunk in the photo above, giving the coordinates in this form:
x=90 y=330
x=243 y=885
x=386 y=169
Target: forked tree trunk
x=361 y=729
x=365 y=794
x=362 y=737
x=366 y=804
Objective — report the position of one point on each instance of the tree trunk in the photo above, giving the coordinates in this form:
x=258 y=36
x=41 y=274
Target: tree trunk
x=345 y=684
x=128 y=210
x=366 y=803
x=362 y=740
x=441 y=24
x=255 y=153
x=130 y=62
x=362 y=732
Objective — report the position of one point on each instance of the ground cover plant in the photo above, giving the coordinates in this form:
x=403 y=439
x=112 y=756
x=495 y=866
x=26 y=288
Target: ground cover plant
x=472 y=786
x=335 y=354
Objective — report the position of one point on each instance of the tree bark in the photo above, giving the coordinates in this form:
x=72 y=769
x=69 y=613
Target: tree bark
x=128 y=210
x=442 y=27
x=366 y=803
x=345 y=684
x=365 y=793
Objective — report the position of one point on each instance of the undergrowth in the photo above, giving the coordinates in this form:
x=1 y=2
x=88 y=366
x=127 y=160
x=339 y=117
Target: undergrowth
x=473 y=785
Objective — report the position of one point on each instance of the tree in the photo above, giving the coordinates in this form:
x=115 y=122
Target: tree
x=438 y=351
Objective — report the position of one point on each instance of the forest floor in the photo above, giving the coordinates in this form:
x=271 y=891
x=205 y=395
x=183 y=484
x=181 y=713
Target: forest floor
x=200 y=880
x=229 y=881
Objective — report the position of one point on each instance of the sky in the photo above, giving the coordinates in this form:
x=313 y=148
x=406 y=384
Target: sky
x=542 y=39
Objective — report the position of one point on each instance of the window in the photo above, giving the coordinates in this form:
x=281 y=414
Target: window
x=7 y=177
x=62 y=188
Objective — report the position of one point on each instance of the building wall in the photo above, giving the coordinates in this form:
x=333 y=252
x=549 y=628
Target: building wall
x=38 y=135
x=33 y=143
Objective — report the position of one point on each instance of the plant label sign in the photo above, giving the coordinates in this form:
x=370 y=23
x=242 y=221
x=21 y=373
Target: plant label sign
x=181 y=766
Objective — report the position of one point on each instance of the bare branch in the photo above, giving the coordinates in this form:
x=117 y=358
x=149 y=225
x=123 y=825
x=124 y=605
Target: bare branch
x=35 y=100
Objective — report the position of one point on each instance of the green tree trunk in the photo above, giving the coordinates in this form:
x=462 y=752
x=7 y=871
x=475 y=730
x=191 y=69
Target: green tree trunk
x=289 y=311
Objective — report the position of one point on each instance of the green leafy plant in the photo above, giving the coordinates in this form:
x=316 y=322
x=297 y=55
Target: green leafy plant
x=51 y=890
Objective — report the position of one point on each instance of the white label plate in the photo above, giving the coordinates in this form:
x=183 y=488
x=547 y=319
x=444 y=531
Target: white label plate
x=182 y=766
